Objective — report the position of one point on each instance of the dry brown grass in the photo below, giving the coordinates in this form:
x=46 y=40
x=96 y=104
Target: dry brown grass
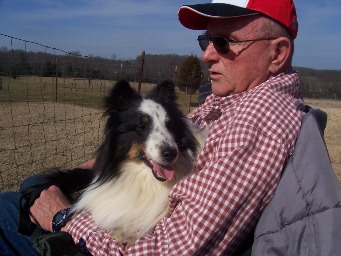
x=35 y=136
x=39 y=135
x=333 y=130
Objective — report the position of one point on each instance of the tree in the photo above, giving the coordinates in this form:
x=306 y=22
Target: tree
x=49 y=69
x=113 y=56
x=189 y=75
x=3 y=49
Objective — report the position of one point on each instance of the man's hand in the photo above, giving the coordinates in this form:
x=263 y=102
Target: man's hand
x=88 y=164
x=44 y=208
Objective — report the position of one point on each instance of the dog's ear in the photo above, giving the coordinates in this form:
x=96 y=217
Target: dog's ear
x=164 y=92
x=120 y=97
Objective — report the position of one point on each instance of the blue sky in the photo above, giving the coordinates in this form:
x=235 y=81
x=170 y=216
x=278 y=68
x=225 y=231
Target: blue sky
x=126 y=28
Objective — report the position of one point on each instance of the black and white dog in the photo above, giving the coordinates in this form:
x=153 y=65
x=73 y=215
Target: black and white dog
x=148 y=146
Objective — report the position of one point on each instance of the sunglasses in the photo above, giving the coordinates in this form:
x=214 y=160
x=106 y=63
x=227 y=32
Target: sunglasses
x=221 y=44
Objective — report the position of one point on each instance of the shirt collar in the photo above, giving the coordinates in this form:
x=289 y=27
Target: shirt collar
x=286 y=82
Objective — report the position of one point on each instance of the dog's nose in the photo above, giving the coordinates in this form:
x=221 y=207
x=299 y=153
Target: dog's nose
x=169 y=154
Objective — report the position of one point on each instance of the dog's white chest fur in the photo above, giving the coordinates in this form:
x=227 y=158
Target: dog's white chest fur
x=128 y=206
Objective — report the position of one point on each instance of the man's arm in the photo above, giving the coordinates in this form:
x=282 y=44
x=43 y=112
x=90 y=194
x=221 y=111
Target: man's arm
x=210 y=210
x=51 y=201
x=44 y=208
x=88 y=164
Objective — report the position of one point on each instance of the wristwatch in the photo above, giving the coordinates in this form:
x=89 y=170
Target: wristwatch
x=60 y=218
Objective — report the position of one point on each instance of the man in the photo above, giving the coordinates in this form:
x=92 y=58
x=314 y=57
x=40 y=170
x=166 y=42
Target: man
x=254 y=115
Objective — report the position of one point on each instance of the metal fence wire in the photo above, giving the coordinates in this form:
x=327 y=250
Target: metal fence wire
x=50 y=105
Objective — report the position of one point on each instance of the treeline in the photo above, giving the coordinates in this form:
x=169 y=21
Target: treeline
x=150 y=68
x=320 y=83
x=145 y=68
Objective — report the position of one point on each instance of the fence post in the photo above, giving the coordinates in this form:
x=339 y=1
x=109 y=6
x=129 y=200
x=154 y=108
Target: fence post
x=141 y=72
x=56 y=80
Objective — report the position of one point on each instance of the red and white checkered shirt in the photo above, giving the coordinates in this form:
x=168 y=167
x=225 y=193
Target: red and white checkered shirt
x=251 y=136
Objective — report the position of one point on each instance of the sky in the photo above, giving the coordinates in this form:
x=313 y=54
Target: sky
x=125 y=28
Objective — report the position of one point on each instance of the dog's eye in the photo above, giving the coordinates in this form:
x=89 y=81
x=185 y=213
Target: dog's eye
x=167 y=120
x=181 y=146
x=145 y=119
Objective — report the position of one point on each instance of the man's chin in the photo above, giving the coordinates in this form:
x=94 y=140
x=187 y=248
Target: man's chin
x=220 y=89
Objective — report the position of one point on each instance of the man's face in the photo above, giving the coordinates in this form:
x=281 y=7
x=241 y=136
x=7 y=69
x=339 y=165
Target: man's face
x=246 y=65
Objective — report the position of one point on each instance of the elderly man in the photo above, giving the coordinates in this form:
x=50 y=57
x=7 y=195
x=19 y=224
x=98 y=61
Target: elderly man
x=254 y=115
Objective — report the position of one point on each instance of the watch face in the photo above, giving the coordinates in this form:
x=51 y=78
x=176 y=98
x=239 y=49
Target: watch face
x=58 y=217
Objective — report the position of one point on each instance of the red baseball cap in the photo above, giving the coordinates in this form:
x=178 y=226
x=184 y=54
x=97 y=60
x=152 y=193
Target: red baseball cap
x=197 y=16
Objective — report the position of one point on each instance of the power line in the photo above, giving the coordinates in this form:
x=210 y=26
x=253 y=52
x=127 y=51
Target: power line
x=50 y=47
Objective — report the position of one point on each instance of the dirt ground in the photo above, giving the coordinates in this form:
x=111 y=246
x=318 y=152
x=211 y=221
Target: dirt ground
x=38 y=135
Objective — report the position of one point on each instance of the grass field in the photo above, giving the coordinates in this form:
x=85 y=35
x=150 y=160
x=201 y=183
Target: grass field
x=76 y=91
x=40 y=128
x=333 y=130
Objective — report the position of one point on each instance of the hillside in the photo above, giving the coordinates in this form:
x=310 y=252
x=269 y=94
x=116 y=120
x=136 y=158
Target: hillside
x=315 y=83
x=319 y=84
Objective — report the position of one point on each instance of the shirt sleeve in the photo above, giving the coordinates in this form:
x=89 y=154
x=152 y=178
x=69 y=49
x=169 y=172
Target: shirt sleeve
x=98 y=242
x=214 y=209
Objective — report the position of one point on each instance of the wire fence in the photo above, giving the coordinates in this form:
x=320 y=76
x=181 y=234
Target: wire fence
x=40 y=128
x=50 y=105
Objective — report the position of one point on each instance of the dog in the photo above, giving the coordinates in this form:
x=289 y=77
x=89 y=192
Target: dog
x=148 y=147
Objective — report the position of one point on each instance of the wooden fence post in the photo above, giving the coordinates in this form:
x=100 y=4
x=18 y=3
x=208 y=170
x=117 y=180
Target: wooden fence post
x=56 y=82
x=141 y=72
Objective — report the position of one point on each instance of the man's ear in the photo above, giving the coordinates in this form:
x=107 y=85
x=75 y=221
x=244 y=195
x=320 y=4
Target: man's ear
x=282 y=50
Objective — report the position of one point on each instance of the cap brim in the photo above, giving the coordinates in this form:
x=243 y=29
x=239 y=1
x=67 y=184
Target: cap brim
x=197 y=16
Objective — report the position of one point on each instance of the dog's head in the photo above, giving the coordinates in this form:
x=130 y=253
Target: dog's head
x=151 y=130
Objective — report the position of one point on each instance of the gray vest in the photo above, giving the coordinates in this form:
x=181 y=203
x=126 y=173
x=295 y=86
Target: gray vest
x=304 y=216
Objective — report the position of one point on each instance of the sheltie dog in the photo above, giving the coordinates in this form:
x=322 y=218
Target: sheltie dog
x=148 y=146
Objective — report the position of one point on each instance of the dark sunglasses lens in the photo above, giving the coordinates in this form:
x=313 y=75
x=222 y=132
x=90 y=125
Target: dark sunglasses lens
x=220 y=44
x=203 y=42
